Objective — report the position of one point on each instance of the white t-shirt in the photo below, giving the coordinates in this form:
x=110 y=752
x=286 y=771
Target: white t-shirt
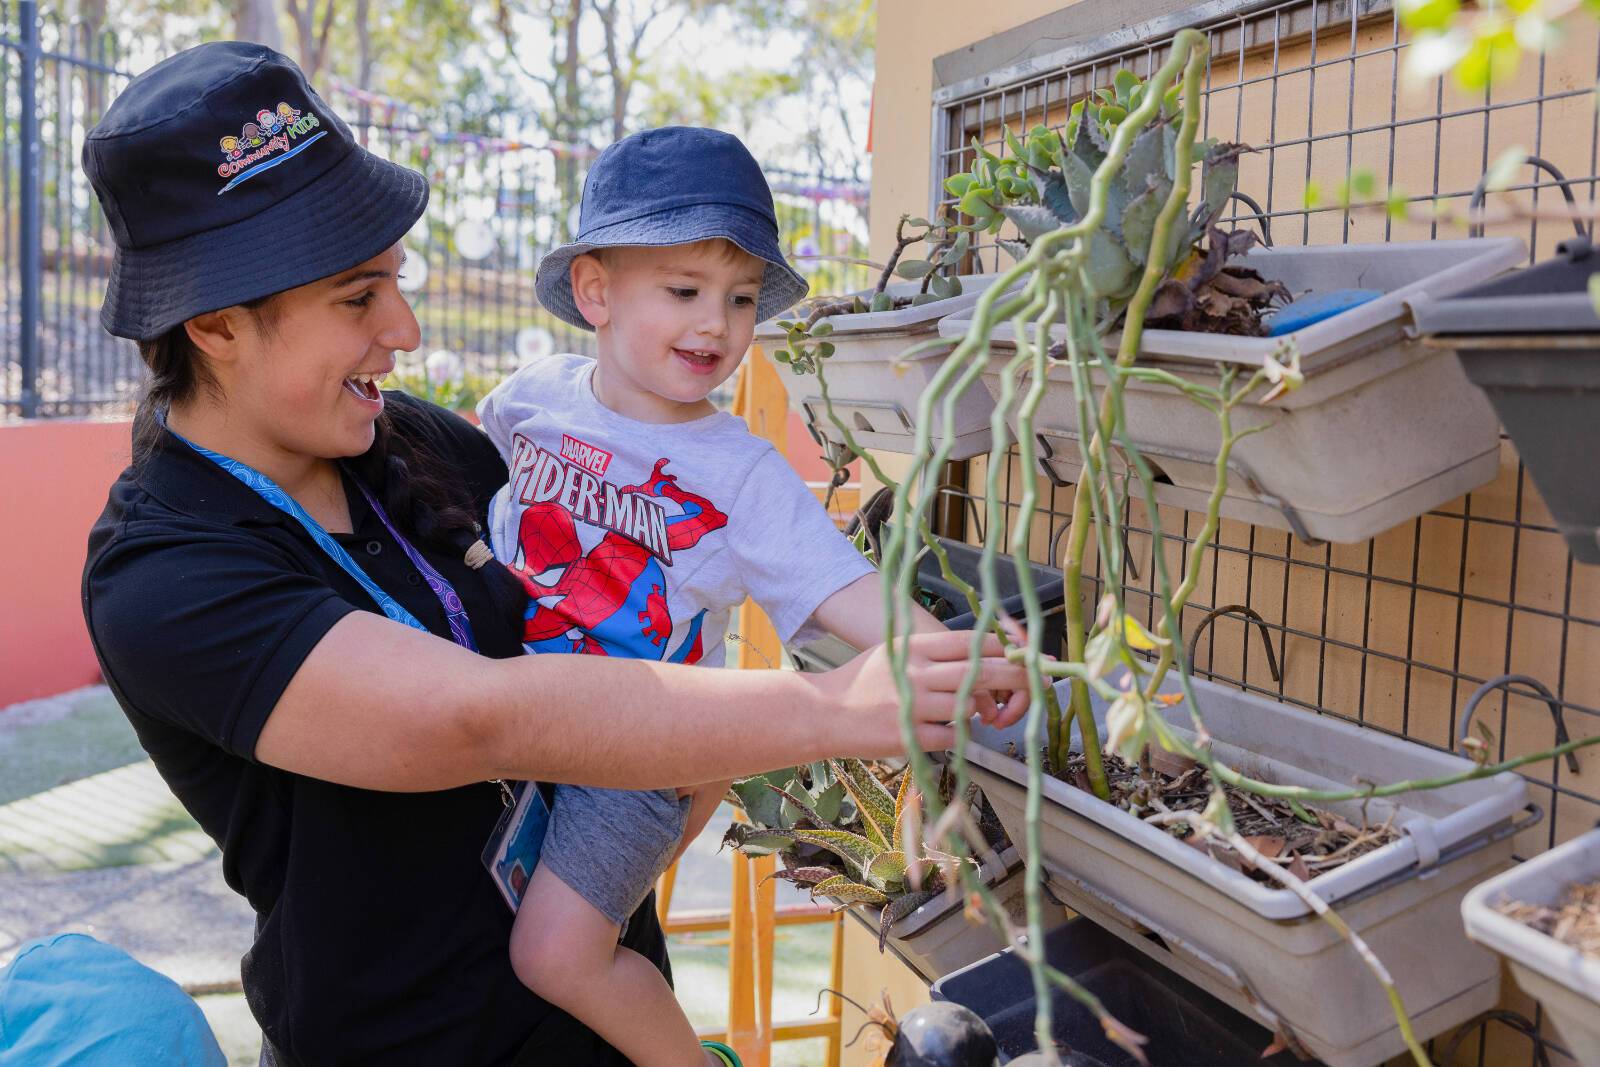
x=637 y=539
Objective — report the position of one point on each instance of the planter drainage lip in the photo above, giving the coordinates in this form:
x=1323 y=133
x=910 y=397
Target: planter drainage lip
x=1389 y=317
x=1423 y=842
x=1550 y=297
x=1541 y=880
x=908 y=320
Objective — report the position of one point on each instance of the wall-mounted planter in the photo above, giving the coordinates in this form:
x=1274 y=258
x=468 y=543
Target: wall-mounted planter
x=1565 y=981
x=1383 y=430
x=1258 y=948
x=1531 y=341
x=938 y=939
x=827 y=652
x=1184 y=1027
x=875 y=396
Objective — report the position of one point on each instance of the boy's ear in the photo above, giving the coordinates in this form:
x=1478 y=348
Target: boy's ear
x=589 y=285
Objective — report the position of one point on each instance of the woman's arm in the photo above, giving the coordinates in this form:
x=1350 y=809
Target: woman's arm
x=380 y=706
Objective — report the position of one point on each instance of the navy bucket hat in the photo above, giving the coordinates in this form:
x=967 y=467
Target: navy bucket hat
x=673 y=186
x=225 y=178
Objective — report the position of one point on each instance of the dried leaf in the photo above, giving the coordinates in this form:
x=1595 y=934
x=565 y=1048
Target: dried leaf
x=1172 y=764
x=1269 y=845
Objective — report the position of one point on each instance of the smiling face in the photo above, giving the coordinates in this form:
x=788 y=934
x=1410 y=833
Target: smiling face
x=300 y=378
x=672 y=323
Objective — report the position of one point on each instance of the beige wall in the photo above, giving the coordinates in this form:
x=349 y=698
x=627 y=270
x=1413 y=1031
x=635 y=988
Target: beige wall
x=910 y=34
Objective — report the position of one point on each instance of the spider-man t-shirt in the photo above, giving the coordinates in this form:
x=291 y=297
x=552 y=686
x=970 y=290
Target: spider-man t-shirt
x=638 y=539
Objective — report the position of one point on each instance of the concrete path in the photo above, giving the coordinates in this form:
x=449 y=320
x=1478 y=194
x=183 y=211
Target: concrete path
x=179 y=918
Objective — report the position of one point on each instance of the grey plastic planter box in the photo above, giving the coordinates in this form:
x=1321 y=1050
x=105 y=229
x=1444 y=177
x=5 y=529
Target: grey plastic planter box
x=1565 y=981
x=1383 y=430
x=1531 y=342
x=875 y=397
x=937 y=939
x=827 y=652
x=1259 y=948
x=1183 y=1026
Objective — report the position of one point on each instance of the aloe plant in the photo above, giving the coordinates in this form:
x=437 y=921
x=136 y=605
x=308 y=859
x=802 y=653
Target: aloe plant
x=841 y=833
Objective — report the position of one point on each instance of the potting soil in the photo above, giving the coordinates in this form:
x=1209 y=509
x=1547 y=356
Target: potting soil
x=1268 y=824
x=1576 y=922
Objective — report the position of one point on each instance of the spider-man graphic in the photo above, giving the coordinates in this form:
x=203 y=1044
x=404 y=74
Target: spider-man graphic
x=615 y=595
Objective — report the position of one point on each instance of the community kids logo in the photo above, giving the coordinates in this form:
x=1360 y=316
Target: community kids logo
x=611 y=599
x=254 y=149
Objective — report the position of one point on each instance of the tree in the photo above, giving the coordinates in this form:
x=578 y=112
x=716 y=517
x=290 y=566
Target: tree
x=313 y=42
x=257 y=20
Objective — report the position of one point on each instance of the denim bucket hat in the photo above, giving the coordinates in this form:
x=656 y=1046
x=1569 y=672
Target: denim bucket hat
x=673 y=186
x=224 y=178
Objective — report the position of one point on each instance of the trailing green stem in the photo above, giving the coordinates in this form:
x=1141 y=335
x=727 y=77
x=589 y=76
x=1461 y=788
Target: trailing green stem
x=1189 y=47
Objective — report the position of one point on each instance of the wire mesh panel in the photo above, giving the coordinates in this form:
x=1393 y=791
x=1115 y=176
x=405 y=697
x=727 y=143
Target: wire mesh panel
x=1396 y=633
x=73 y=367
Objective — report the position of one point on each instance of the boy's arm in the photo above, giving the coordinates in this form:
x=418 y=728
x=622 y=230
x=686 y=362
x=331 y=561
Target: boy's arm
x=855 y=613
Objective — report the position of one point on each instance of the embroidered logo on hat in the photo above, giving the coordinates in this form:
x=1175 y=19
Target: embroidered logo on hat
x=253 y=151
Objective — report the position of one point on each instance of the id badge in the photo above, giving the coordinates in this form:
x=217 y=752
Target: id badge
x=513 y=848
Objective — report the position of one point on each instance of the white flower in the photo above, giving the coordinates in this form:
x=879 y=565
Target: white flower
x=1285 y=377
x=1127 y=724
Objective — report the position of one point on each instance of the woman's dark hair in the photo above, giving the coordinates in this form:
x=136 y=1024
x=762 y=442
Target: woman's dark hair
x=417 y=489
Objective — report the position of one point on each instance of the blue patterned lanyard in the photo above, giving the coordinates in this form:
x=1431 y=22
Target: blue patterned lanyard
x=268 y=490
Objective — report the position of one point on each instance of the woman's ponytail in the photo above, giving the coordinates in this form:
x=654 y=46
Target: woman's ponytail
x=430 y=506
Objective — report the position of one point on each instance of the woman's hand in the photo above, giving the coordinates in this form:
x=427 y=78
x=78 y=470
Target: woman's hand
x=865 y=704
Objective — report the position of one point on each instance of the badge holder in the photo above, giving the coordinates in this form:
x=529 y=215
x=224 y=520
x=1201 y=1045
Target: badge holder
x=513 y=848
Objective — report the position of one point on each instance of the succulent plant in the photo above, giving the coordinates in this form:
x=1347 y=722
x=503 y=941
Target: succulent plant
x=1043 y=183
x=840 y=832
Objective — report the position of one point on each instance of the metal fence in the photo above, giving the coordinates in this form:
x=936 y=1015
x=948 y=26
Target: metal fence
x=471 y=260
x=1395 y=633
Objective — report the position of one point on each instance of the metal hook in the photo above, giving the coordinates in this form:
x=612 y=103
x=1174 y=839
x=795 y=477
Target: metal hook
x=952 y=489
x=1480 y=193
x=1532 y=683
x=1242 y=609
x=1260 y=216
x=1127 y=549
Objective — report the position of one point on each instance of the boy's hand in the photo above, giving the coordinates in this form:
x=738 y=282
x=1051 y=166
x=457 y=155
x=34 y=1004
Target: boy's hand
x=861 y=700
x=855 y=614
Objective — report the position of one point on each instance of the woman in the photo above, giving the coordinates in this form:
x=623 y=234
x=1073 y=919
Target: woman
x=279 y=507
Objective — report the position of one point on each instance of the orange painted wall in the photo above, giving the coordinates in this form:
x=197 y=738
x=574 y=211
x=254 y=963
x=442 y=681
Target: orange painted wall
x=54 y=475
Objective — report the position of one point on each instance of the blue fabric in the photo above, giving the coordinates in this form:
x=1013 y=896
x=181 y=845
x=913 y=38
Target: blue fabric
x=671 y=186
x=71 y=1000
x=1315 y=307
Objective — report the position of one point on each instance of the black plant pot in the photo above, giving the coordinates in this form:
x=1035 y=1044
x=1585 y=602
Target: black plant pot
x=1184 y=1026
x=828 y=652
x=1531 y=341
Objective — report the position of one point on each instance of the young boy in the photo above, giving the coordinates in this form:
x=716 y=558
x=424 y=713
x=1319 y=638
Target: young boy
x=639 y=516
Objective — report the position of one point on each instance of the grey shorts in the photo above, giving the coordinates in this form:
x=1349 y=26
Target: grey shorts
x=610 y=845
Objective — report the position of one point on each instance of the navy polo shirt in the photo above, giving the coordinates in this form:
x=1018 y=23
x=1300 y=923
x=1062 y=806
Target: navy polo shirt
x=380 y=938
